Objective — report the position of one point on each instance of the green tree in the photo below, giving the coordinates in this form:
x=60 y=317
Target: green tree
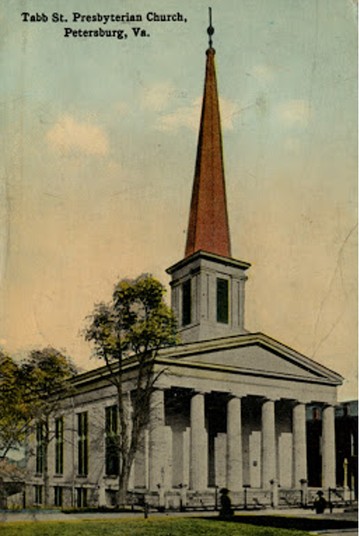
x=127 y=333
x=43 y=380
x=15 y=414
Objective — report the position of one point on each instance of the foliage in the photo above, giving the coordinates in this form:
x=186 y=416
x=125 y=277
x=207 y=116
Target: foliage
x=43 y=379
x=130 y=330
x=137 y=321
x=15 y=413
x=10 y=471
x=30 y=393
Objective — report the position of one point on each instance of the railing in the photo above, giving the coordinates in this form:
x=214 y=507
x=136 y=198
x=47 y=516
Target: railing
x=291 y=498
x=246 y=499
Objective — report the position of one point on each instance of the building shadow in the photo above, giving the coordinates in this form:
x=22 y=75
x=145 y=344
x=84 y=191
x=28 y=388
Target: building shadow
x=287 y=522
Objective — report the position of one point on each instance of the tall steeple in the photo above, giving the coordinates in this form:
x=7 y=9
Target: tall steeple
x=208 y=228
x=208 y=291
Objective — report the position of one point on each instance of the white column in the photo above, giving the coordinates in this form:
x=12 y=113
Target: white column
x=199 y=444
x=127 y=404
x=146 y=458
x=157 y=447
x=269 y=451
x=102 y=495
x=234 y=445
x=299 y=445
x=328 y=447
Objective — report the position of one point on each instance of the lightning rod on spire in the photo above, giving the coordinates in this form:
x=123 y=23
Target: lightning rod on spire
x=210 y=29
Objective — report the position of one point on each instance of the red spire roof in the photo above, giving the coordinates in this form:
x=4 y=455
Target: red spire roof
x=208 y=228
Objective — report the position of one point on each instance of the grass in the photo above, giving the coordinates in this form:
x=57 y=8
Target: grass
x=150 y=527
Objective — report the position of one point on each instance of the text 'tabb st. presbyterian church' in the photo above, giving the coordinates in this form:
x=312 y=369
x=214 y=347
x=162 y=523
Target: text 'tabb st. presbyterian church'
x=230 y=408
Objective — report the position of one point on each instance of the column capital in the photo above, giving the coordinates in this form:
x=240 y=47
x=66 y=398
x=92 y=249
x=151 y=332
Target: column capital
x=269 y=399
x=157 y=396
x=298 y=402
x=198 y=392
x=231 y=396
x=326 y=405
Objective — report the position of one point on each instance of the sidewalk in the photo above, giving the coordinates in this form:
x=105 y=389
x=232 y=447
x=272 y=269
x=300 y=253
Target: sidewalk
x=344 y=532
x=338 y=523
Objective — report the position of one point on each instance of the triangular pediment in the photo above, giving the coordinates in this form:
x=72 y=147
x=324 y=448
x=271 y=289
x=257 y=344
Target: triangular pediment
x=256 y=354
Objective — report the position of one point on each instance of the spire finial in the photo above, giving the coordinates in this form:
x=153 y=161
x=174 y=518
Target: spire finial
x=210 y=29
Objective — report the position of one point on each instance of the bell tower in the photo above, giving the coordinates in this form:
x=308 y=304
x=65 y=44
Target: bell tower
x=208 y=284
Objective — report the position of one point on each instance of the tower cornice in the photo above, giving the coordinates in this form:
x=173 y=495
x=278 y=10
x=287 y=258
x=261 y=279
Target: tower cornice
x=219 y=259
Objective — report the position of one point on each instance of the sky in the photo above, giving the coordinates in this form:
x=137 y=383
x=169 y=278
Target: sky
x=98 y=145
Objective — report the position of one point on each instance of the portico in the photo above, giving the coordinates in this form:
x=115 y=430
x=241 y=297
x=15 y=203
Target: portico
x=227 y=425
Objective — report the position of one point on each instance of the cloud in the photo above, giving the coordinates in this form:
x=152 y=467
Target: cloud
x=263 y=73
x=229 y=110
x=295 y=112
x=184 y=116
x=189 y=116
x=157 y=96
x=174 y=111
x=121 y=108
x=69 y=135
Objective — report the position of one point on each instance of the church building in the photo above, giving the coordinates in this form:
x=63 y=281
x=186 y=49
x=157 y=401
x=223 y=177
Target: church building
x=230 y=407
